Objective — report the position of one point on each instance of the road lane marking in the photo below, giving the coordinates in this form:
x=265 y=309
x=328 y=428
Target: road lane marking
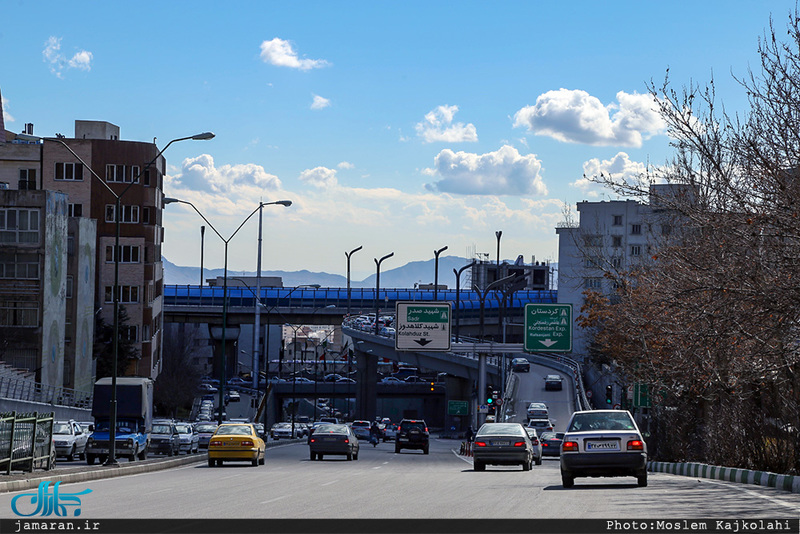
x=769 y=498
x=378 y=467
x=460 y=457
x=329 y=483
x=275 y=499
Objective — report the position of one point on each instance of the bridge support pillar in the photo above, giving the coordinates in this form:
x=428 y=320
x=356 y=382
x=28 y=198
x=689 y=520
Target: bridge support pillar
x=367 y=386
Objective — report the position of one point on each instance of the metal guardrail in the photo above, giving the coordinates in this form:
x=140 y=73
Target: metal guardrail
x=28 y=390
x=26 y=441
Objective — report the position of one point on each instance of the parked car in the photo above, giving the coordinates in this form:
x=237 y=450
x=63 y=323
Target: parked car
x=70 y=439
x=236 y=442
x=502 y=444
x=333 y=439
x=551 y=443
x=553 y=382
x=603 y=443
x=189 y=438
x=412 y=434
x=520 y=365
x=164 y=439
x=204 y=433
x=391 y=380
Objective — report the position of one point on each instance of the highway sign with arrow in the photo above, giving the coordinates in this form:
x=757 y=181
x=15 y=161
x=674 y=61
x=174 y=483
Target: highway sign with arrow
x=548 y=327
x=422 y=326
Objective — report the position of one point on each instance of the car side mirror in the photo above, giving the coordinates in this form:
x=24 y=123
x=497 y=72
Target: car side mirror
x=91 y=428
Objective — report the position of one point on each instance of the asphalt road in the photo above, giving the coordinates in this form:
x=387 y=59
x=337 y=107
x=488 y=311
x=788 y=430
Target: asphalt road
x=410 y=485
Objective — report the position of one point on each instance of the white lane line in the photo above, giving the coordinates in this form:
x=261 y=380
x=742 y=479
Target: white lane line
x=275 y=499
x=464 y=458
x=329 y=483
x=384 y=463
x=769 y=498
x=378 y=467
x=159 y=491
x=230 y=476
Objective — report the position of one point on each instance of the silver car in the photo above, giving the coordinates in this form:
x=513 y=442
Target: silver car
x=502 y=444
x=603 y=443
x=70 y=439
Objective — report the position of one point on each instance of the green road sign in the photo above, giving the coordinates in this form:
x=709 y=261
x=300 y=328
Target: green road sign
x=455 y=407
x=422 y=326
x=548 y=327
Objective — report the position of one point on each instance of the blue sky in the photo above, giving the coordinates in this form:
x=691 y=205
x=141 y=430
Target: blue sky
x=397 y=126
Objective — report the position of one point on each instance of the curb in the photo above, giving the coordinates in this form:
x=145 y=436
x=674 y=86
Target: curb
x=124 y=469
x=789 y=483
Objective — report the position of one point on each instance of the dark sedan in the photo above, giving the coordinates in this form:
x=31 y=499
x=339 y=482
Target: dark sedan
x=551 y=443
x=333 y=439
x=502 y=444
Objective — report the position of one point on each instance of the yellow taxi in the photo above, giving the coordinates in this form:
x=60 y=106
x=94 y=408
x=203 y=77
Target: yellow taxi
x=235 y=442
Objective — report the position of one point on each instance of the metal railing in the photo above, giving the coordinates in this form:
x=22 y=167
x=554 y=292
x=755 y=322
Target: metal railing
x=26 y=441
x=28 y=390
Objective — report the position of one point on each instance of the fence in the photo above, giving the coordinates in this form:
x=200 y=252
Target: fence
x=28 y=390
x=26 y=441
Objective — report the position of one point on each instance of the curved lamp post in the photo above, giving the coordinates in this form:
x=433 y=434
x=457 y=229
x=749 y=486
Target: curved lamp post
x=458 y=293
x=348 y=254
x=378 y=286
x=436 y=273
x=223 y=362
x=112 y=433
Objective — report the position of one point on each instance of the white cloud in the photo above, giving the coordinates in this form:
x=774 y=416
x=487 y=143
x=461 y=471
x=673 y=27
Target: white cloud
x=345 y=165
x=82 y=60
x=320 y=102
x=503 y=172
x=281 y=54
x=575 y=116
x=320 y=177
x=438 y=126
x=57 y=62
x=6 y=115
x=200 y=174
x=620 y=168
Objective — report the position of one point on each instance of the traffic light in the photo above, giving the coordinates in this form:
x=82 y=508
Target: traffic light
x=489 y=395
x=609 y=393
x=432 y=386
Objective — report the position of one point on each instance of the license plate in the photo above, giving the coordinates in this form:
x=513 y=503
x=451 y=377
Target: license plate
x=501 y=443
x=330 y=439
x=403 y=439
x=231 y=444
x=602 y=446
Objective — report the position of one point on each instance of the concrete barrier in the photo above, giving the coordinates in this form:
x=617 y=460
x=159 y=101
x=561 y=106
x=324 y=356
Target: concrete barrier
x=729 y=474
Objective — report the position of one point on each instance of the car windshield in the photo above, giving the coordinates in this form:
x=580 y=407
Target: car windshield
x=206 y=428
x=161 y=429
x=331 y=429
x=184 y=429
x=235 y=430
x=414 y=425
x=548 y=435
x=501 y=429
x=122 y=426
x=582 y=422
x=62 y=428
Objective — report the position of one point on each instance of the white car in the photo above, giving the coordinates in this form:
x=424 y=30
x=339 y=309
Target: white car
x=541 y=425
x=70 y=439
x=190 y=439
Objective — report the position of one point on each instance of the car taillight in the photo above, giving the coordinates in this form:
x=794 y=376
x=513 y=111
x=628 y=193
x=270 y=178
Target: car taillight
x=426 y=429
x=313 y=440
x=569 y=446
x=635 y=445
x=346 y=440
x=535 y=441
x=519 y=444
x=480 y=443
x=247 y=443
x=216 y=443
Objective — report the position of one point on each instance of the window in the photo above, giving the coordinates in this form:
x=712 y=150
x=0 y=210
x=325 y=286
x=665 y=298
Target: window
x=19 y=266
x=592 y=283
x=617 y=221
x=75 y=210
x=636 y=250
x=70 y=245
x=27 y=179
x=19 y=225
x=128 y=254
x=115 y=173
x=69 y=286
x=592 y=262
x=127 y=294
x=616 y=262
x=145 y=332
x=616 y=241
x=129 y=332
x=593 y=240
x=147 y=178
x=145 y=215
x=69 y=171
x=636 y=229
x=19 y=314
x=130 y=214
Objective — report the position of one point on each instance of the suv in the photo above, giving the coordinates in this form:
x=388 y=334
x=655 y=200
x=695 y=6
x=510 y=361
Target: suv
x=165 y=438
x=412 y=434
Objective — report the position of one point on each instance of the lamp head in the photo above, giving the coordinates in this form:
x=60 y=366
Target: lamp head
x=170 y=200
x=203 y=136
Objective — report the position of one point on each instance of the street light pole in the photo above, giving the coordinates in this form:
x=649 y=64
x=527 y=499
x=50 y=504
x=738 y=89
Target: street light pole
x=482 y=296
x=223 y=358
x=436 y=273
x=202 y=242
x=348 y=254
x=112 y=431
x=458 y=293
x=378 y=286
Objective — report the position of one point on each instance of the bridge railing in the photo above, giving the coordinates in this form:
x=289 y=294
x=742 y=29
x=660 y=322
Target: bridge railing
x=28 y=390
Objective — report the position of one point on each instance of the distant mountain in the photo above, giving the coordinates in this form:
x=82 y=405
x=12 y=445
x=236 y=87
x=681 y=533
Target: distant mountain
x=399 y=277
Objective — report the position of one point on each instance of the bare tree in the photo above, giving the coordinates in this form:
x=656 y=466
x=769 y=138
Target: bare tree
x=177 y=384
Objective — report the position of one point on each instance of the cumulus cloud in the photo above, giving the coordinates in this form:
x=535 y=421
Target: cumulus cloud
x=438 y=126
x=320 y=177
x=575 y=116
x=281 y=54
x=345 y=165
x=503 y=172
x=6 y=115
x=58 y=62
x=201 y=174
x=320 y=102
x=620 y=168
